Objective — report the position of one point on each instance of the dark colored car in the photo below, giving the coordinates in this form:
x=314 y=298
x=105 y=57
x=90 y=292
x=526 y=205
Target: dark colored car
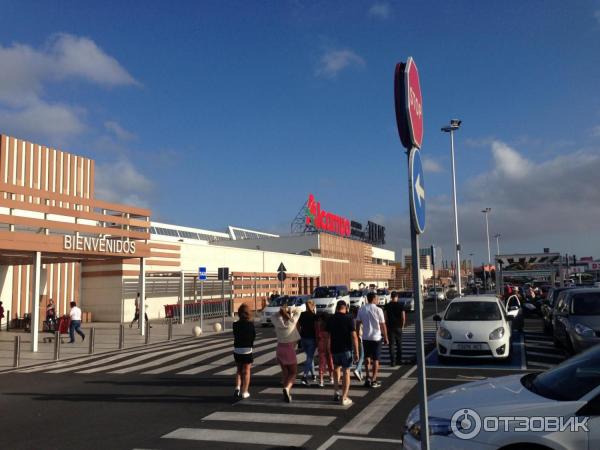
x=547 y=307
x=576 y=319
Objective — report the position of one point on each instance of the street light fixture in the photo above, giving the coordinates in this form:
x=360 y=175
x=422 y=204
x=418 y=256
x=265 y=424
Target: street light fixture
x=486 y=211
x=455 y=125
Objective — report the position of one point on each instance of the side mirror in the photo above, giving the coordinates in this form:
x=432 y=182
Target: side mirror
x=437 y=318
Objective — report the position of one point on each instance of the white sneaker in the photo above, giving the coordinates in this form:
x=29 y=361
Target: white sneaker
x=246 y=395
x=346 y=401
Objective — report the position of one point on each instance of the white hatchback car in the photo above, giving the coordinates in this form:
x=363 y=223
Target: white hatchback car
x=299 y=301
x=521 y=411
x=358 y=298
x=474 y=327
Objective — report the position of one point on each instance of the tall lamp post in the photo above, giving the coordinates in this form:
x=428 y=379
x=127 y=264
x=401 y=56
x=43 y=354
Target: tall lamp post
x=455 y=125
x=486 y=211
x=497 y=236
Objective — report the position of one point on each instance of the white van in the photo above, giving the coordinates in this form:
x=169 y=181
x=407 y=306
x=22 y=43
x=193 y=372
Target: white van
x=326 y=297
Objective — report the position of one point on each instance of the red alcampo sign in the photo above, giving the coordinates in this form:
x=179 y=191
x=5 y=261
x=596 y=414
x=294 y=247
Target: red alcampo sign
x=325 y=221
x=409 y=104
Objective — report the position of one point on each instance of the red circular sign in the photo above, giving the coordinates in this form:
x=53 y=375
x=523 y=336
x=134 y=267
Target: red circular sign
x=414 y=103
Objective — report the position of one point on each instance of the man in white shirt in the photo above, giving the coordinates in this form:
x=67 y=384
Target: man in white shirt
x=75 y=327
x=373 y=322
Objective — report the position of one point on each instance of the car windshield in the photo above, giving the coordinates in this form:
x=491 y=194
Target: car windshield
x=325 y=292
x=586 y=304
x=355 y=293
x=279 y=301
x=405 y=294
x=381 y=292
x=569 y=381
x=473 y=310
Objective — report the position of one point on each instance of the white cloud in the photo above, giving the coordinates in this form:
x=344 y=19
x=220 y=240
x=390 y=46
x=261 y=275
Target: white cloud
x=121 y=182
x=27 y=71
x=334 y=61
x=509 y=163
x=431 y=165
x=119 y=131
x=550 y=203
x=380 y=10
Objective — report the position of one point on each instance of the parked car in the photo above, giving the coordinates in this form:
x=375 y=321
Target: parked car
x=357 y=298
x=326 y=297
x=474 y=327
x=298 y=301
x=569 y=390
x=576 y=319
x=437 y=292
x=547 y=307
x=406 y=299
x=383 y=297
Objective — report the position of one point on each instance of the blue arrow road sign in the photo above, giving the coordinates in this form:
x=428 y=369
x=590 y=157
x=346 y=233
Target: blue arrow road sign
x=202 y=273
x=417 y=197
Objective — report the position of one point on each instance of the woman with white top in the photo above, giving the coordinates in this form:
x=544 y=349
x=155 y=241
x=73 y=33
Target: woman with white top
x=287 y=340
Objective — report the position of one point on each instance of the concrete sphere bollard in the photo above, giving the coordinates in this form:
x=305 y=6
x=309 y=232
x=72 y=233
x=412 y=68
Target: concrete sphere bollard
x=197 y=331
x=217 y=327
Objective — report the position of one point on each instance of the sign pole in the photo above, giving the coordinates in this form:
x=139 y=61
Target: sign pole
x=418 y=296
x=201 y=304
x=223 y=299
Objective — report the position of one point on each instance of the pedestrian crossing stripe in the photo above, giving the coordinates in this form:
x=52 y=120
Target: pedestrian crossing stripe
x=240 y=437
x=273 y=418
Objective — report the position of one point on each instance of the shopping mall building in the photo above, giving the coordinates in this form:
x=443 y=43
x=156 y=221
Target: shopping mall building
x=58 y=241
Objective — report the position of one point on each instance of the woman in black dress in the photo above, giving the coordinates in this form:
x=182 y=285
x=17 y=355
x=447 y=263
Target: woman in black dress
x=243 y=341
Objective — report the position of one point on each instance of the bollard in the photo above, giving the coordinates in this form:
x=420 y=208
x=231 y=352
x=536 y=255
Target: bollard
x=147 y=332
x=56 y=346
x=92 y=339
x=121 y=337
x=170 y=330
x=17 y=359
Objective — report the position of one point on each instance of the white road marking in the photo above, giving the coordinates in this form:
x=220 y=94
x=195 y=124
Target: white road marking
x=333 y=439
x=314 y=391
x=200 y=358
x=304 y=404
x=240 y=437
x=286 y=419
x=370 y=416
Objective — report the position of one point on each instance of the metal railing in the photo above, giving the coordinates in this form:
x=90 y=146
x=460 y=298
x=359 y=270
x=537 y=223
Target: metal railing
x=208 y=309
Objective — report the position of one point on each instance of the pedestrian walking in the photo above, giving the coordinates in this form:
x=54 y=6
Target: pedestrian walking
x=307 y=329
x=136 y=317
x=358 y=367
x=75 y=326
x=243 y=343
x=373 y=321
x=1 y=314
x=395 y=320
x=287 y=339
x=51 y=315
x=324 y=347
x=344 y=348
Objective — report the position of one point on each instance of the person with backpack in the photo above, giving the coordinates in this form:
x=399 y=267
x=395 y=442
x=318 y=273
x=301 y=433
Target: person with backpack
x=243 y=343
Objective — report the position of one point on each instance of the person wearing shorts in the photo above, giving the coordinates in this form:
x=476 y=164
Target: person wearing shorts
x=373 y=322
x=344 y=348
x=287 y=340
x=243 y=341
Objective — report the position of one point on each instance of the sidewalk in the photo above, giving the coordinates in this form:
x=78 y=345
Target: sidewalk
x=106 y=340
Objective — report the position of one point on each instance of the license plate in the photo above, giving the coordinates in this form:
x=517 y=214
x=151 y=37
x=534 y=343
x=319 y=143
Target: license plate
x=470 y=347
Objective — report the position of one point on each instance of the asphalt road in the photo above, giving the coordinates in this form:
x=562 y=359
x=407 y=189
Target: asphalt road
x=178 y=395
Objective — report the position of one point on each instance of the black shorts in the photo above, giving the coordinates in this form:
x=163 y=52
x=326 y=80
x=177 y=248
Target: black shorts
x=372 y=349
x=246 y=358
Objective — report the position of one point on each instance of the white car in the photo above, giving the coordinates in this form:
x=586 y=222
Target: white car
x=465 y=417
x=358 y=298
x=326 y=297
x=383 y=297
x=273 y=308
x=406 y=299
x=474 y=327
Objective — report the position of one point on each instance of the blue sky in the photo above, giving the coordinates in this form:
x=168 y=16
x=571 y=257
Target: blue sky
x=217 y=113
